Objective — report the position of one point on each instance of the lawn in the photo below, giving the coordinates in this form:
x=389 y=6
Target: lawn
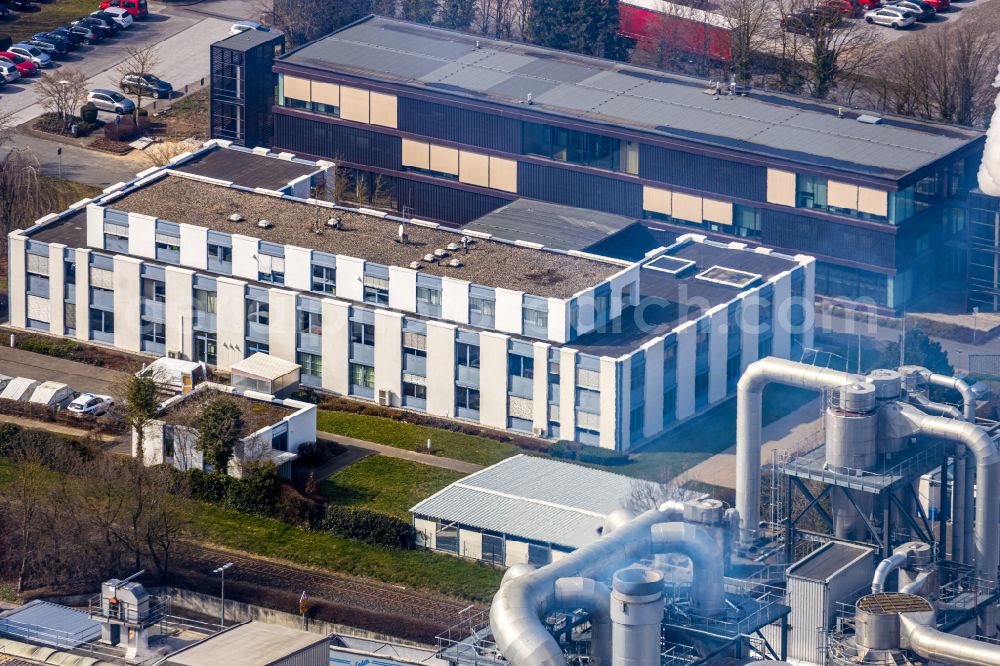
x=48 y=15
x=61 y=193
x=188 y=117
x=713 y=432
x=411 y=437
x=412 y=568
x=389 y=485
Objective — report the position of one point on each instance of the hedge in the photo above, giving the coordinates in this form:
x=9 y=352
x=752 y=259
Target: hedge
x=378 y=529
x=257 y=494
x=592 y=455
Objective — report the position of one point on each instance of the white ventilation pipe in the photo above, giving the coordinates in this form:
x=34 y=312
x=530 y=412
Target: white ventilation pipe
x=748 y=425
x=989 y=169
x=595 y=598
x=884 y=568
x=939 y=647
x=937 y=408
x=698 y=545
x=968 y=396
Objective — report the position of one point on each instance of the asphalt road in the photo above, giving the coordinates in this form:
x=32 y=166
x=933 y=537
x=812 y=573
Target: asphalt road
x=82 y=377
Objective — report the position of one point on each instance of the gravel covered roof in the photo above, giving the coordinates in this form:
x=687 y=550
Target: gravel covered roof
x=489 y=263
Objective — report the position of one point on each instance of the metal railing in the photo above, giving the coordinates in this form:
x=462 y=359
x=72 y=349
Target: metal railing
x=814 y=467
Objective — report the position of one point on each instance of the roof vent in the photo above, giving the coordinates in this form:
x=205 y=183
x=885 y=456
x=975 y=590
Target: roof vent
x=441 y=253
x=529 y=100
x=265 y=224
x=335 y=223
x=868 y=119
x=453 y=246
x=429 y=257
x=455 y=263
x=236 y=217
x=416 y=265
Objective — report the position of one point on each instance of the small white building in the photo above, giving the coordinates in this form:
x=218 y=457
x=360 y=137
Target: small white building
x=168 y=441
x=52 y=394
x=256 y=644
x=19 y=388
x=521 y=510
x=265 y=373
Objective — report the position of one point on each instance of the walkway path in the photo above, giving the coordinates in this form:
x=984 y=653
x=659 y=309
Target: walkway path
x=56 y=427
x=798 y=431
x=393 y=452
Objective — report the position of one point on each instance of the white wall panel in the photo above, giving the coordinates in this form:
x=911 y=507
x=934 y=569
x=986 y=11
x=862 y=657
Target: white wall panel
x=509 y=316
x=718 y=348
x=654 y=388
x=127 y=312
x=686 y=335
x=350 y=278
x=18 y=280
x=567 y=393
x=492 y=379
x=282 y=336
x=402 y=289
x=245 y=257
x=455 y=300
x=95 y=227
x=194 y=246
x=336 y=346
x=142 y=235
x=389 y=354
x=441 y=360
x=180 y=296
x=231 y=315
x=298 y=268
x=610 y=401
x=540 y=387
x=782 y=315
x=82 y=294
x=749 y=322
x=57 y=287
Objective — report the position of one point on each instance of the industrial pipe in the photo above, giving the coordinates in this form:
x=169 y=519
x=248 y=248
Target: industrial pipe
x=939 y=647
x=968 y=396
x=595 y=598
x=884 y=568
x=748 y=425
x=698 y=545
x=936 y=408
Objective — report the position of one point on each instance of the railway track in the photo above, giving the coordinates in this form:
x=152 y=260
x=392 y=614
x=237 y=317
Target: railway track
x=287 y=577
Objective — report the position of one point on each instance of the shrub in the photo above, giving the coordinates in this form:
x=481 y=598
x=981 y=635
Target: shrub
x=88 y=113
x=595 y=455
x=257 y=494
x=211 y=488
x=295 y=508
x=59 y=347
x=562 y=449
x=378 y=529
x=123 y=129
x=8 y=435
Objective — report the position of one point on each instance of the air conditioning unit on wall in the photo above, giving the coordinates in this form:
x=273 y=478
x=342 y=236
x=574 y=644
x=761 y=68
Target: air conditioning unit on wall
x=538 y=431
x=385 y=397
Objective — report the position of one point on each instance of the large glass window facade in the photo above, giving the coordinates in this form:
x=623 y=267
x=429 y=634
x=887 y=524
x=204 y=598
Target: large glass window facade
x=566 y=145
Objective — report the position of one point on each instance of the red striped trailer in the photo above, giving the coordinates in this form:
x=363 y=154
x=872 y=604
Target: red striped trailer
x=684 y=28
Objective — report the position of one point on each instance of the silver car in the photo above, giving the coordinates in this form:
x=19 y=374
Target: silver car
x=34 y=54
x=890 y=16
x=109 y=100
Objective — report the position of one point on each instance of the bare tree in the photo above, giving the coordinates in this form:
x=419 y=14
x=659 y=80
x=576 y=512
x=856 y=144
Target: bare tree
x=21 y=192
x=138 y=60
x=161 y=152
x=62 y=92
x=749 y=23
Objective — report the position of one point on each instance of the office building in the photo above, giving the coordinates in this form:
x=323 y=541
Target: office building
x=219 y=256
x=447 y=126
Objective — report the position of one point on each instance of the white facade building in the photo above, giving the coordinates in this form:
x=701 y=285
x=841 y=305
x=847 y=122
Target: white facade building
x=211 y=258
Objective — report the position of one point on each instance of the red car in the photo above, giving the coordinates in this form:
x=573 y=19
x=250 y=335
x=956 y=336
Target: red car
x=23 y=65
x=137 y=8
x=939 y=5
x=846 y=7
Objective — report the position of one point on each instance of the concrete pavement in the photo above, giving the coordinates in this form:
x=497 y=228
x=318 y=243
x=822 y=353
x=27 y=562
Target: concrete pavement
x=393 y=452
x=82 y=377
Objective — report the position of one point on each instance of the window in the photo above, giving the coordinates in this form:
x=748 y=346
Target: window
x=565 y=145
x=446 y=538
x=168 y=248
x=493 y=548
x=154 y=332
x=701 y=389
x=270 y=269
x=376 y=290
x=102 y=321
x=205 y=347
x=810 y=191
x=539 y=555
x=205 y=301
x=154 y=290
x=415 y=344
x=324 y=279
x=257 y=347
x=362 y=334
x=466 y=354
x=258 y=312
x=536 y=322
x=115 y=237
x=482 y=312
x=310 y=323
x=429 y=301
x=521 y=366
x=362 y=375
x=69 y=317
x=467 y=398
x=418 y=391
x=312 y=364
x=220 y=253
x=746 y=221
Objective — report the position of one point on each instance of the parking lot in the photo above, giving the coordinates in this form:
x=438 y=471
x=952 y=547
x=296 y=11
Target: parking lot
x=182 y=35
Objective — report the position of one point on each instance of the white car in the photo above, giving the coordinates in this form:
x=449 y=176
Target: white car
x=29 y=52
x=243 y=26
x=90 y=404
x=9 y=72
x=890 y=16
x=121 y=16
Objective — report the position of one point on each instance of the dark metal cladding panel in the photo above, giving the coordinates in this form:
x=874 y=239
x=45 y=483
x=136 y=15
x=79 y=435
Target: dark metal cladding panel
x=443 y=203
x=449 y=123
x=338 y=142
x=820 y=236
x=700 y=172
x=583 y=190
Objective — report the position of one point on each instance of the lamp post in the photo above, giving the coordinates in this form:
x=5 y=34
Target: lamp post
x=222 y=570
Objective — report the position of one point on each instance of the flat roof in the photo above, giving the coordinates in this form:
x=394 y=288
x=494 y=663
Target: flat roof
x=50 y=624
x=551 y=225
x=71 y=231
x=763 y=123
x=249 y=644
x=264 y=366
x=825 y=562
x=245 y=168
x=684 y=295
x=539 y=499
x=249 y=39
x=490 y=263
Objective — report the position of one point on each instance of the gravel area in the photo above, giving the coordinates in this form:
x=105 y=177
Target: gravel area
x=489 y=263
x=256 y=414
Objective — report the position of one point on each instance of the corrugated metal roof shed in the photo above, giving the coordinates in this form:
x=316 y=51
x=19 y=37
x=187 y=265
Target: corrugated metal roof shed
x=560 y=83
x=250 y=644
x=532 y=498
x=50 y=624
x=264 y=366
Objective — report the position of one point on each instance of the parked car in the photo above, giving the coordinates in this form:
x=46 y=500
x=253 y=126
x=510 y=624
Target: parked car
x=243 y=26
x=923 y=11
x=844 y=7
x=149 y=85
x=25 y=66
x=71 y=38
x=32 y=53
x=115 y=26
x=9 y=72
x=91 y=404
x=69 y=45
x=99 y=25
x=20 y=5
x=88 y=34
x=109 y=100
x=893 y=17
x=120 y=16
x=806 y=23
x=137 y=8
x=940 y=5
x=55 y=49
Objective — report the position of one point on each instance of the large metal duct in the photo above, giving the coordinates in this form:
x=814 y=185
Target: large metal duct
x=698 y=545
x=595 y=598
x=748 y=425
x=968 y=396
x=941 y=648
x=910 y=554
x=636 y=613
